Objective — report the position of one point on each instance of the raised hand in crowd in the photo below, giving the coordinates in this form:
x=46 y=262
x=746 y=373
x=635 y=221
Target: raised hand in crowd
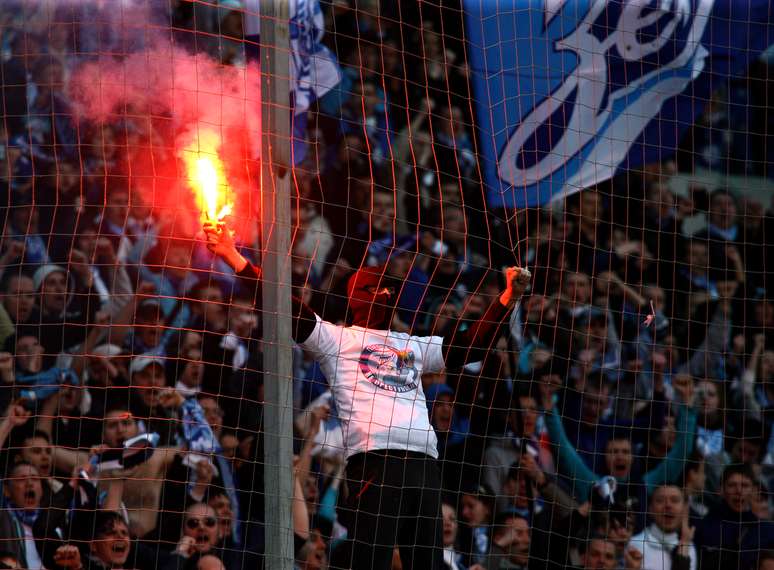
x=204 y=473
x=15 y=416
x=170 y=398
x=317 y=415
x=687 y=532
x=13 y=252
x=79 y=264
x=186 y=547
x=684 y=388
x=123 y=321
x=531 y=469
x=104 y=252
x=68 y=556
x=632 y=559
x=548 y=388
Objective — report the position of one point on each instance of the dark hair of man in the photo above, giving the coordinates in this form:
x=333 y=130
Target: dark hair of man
x=743 y=469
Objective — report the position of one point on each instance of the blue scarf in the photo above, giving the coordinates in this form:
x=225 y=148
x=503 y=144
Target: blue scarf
x=728 y=235
x=24 y=516
x=703 y=283
x=197 y=436
x=45 y=383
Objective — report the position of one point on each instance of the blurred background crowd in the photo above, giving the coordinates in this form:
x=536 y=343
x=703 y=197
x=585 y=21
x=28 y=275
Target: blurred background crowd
x=623 y=420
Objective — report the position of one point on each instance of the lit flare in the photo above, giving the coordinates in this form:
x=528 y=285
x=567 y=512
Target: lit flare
x=207 y=178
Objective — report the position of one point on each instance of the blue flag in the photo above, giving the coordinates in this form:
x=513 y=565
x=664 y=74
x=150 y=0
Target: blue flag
x=314 y=69
x=569 y=92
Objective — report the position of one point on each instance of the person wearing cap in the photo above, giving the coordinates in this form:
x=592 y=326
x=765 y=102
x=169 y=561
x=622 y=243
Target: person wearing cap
x=458 y=451
x=375 y=376
x=66 y=307
x=147 y=386
x=104 y=367
x=141 y=326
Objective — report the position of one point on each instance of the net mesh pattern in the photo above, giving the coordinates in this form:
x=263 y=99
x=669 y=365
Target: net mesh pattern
x=607 y=407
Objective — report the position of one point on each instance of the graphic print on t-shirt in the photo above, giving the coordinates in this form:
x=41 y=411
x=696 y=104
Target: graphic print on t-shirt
x=388 y=368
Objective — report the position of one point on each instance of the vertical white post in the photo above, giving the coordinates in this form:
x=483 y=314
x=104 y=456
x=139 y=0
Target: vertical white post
x=275 y=232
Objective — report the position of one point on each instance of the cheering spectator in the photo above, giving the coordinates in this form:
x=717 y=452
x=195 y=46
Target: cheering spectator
x=520 y=438
x=18 y=302
x=597 y=553
x=731 y=535
x=619 y=457
x=66 y=306
x=24 y=228
x=667 y=542
x=478 y=508
x=22 y=496
x=200 y=535
x=111 y=544
x=511 y=544
x=452 y=559
x=454 y=450
x=109 y=276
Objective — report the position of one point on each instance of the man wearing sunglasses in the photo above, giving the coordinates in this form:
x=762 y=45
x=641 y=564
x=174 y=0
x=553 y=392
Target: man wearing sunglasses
x=200 y=531
x=375 y=375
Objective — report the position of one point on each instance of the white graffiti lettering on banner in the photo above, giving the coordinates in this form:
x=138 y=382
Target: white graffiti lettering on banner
x=603 y=114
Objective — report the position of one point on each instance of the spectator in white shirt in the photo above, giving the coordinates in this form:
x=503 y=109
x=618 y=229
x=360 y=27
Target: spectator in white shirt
x=667 y=543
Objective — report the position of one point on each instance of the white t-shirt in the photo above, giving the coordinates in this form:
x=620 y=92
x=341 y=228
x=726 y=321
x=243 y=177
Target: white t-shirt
x=376 y=380
x=657 y=546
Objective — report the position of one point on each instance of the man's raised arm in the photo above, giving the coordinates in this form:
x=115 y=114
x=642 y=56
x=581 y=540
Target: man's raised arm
x=471 y=345
x=221 y=243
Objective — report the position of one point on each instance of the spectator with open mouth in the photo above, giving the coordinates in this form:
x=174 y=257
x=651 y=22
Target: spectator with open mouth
x=668 y=541
x=200 y=535
x=101 y=541
x=111 y=544
x=150 y=478
x=22 y=494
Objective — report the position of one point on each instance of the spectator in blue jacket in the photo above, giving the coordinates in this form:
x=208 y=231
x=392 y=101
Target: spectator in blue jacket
x=619 y=457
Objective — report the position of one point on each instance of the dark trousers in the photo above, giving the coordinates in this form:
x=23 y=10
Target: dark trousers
x=394 y=500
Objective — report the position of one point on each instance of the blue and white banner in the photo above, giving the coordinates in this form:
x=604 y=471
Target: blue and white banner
x=314 y=69
x=568 y=92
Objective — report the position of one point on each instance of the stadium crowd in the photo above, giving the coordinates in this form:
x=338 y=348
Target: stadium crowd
x=623 y=419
